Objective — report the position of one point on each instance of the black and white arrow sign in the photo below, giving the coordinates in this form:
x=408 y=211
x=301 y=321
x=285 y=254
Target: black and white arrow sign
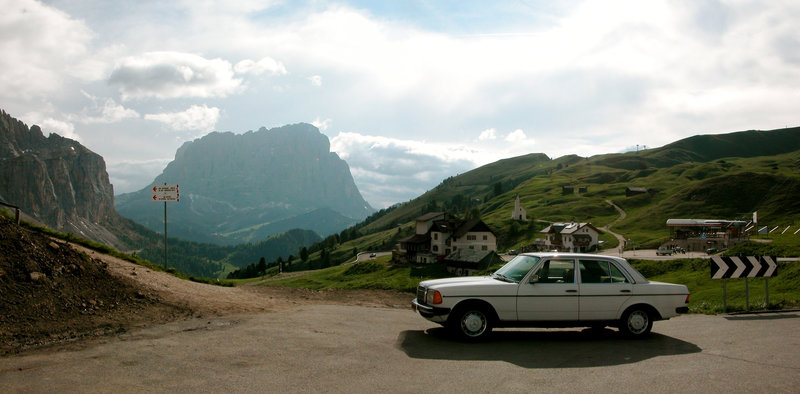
x=743 y=267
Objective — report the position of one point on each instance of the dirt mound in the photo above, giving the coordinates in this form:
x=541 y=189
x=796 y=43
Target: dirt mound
x=50 y=293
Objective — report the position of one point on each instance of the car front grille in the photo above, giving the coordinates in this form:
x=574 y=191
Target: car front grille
x=421 y=294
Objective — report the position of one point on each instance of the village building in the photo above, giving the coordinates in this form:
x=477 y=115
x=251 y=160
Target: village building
x=438 y=235
x=571 y=237
x=465 y=262
x=519 y=212
x=697 y=235
x=633 y=191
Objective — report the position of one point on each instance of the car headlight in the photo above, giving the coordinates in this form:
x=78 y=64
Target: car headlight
x=433 y=297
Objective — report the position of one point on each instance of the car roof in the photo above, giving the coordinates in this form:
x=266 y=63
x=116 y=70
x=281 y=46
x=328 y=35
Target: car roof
x=637 y=276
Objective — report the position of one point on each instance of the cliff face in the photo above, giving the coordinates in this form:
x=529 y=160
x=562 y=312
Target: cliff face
x=56 y=181
x=246 y=187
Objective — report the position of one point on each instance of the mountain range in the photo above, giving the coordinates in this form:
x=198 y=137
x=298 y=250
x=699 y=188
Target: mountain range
x=62 y=184
x=239 y=188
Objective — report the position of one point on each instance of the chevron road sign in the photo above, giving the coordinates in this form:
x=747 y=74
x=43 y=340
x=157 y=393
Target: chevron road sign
x=723 y=267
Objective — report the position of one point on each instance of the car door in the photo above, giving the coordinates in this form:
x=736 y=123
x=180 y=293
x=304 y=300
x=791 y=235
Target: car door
x=603 y=289
x=549 y=293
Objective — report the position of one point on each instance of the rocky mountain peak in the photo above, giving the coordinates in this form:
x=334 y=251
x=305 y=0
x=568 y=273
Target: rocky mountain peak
x=55 y=180
x=245 y=187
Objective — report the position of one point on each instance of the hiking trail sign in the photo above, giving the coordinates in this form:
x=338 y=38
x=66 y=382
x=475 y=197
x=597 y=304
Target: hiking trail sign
x=166 y=193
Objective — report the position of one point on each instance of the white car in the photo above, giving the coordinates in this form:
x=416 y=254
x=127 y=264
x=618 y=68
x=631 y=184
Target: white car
x=551 y=290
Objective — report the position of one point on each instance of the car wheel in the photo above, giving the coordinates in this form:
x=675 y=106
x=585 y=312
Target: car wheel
x=472 y=323
x=636 y=323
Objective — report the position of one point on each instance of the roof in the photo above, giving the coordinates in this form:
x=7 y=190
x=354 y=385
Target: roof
x=704 y=222
x=468 y=255
x=429 y=216
x=474 y=225
x=416 y=239
x=567 y=228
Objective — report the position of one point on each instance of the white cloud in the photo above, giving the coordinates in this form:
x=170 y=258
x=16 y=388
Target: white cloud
x=594 y=77
x=196 y=117
x=488 y=134
x=40 y=46
x=266 y=65
x=516 y=136
x=110 y=113
x=388 y=170
x=315 y=80
x=132 y=175
x=60 y=127
x=322 y=125
x=174 y=75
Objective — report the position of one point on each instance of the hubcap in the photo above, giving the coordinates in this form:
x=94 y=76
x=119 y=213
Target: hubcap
x=637 y=322
x=473 y=323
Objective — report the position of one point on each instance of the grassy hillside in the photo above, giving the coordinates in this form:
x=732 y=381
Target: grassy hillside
x=709 y=176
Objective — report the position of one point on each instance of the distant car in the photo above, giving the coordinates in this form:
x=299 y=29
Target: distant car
x=664 y=251
x=513 y=252
x=551 y=290
x=372 y=255
x=711 y=250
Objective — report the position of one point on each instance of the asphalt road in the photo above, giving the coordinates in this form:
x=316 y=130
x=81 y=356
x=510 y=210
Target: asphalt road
x=323 y=348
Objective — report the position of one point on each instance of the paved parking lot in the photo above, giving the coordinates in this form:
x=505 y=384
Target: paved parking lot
x=345 y=349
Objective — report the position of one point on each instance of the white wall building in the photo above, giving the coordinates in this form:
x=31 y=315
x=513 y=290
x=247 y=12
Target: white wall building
x=572 y=237
x=519 y=212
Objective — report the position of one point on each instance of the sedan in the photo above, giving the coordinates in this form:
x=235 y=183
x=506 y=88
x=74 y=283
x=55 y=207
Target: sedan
x=551 y=290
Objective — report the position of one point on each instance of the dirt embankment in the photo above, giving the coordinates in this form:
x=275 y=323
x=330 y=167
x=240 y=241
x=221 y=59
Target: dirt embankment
x=54 y=293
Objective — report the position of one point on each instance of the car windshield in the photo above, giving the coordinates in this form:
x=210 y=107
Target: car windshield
x=517 y=268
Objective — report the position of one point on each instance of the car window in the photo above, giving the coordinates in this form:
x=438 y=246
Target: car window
x=599 y=271
x=517 y=268
x=557 y=271
x=616 y=274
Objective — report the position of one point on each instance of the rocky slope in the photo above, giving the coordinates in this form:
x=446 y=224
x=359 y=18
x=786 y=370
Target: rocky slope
x=56 y=181
x=246 y=187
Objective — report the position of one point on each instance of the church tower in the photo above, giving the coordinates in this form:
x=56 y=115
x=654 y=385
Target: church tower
x=519 y=212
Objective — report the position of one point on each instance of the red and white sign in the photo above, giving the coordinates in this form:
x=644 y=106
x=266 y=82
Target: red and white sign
x=166 y=193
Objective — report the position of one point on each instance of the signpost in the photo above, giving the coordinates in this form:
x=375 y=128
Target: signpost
x=166 y=193
x=724 y=267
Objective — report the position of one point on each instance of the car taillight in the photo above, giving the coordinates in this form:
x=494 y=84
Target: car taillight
x=687 y=298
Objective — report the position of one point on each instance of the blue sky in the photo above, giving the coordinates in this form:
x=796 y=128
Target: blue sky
x=408 y=92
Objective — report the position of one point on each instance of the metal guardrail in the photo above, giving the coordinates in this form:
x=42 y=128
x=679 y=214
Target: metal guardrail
x=16 y=210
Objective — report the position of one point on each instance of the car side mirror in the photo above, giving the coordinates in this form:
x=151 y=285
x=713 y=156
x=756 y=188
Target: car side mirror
x=534 y=279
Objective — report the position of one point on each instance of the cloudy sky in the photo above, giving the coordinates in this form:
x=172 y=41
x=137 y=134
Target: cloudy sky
x=408 y=92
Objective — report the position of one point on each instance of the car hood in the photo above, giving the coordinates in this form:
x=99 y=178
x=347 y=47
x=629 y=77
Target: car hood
x=469 y=284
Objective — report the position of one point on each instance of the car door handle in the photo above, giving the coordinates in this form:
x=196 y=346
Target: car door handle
x=572 y=291
x=624 y=291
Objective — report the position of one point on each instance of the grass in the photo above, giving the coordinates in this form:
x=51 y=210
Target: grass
x=105 y=249
x=377 y=274
x=707 y=293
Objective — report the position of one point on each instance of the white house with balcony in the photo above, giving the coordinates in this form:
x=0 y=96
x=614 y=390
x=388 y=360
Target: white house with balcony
x=439 y=235
x=571 y=237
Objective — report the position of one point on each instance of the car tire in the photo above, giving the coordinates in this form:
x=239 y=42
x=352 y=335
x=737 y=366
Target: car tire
x=636 y=323
x=471 y=323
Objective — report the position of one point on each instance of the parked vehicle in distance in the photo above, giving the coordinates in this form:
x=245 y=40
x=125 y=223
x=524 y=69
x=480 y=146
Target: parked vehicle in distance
x=372 y=255
x=551 y=290
x=664 y=251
